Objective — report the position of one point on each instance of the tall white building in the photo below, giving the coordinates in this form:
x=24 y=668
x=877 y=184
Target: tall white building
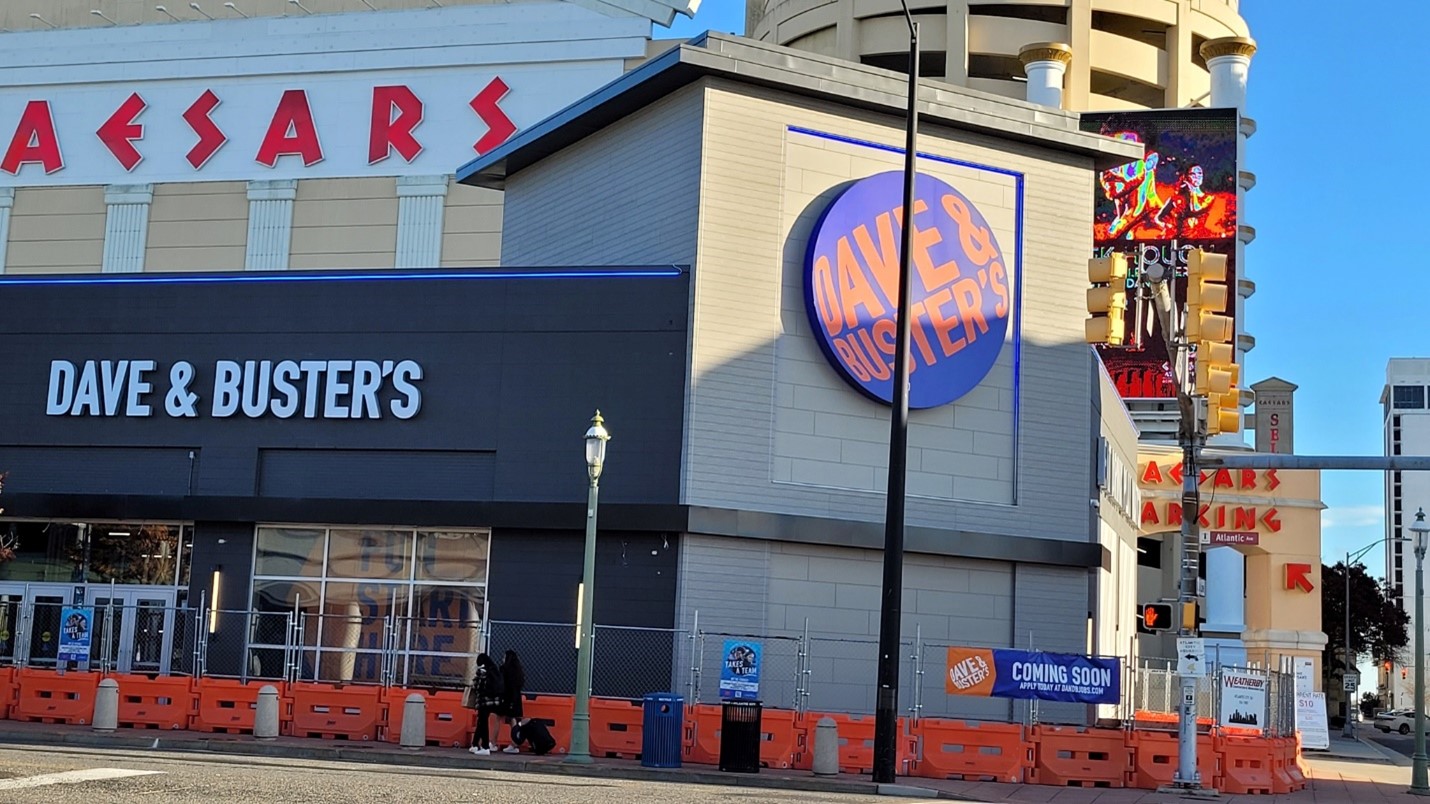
x=1407 y=432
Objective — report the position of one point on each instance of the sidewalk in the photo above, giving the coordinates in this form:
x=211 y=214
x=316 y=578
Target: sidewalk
x=1352 y=771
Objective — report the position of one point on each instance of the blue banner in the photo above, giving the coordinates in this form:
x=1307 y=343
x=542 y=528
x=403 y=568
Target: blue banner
x=76 y=631
x=740 y=671
x=1056 y=677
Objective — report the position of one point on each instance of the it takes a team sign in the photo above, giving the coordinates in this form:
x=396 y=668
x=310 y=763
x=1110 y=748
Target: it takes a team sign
x=960 y=300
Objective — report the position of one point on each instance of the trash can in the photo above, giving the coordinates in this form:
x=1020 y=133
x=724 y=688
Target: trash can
x=661 y=724
x=740 y=736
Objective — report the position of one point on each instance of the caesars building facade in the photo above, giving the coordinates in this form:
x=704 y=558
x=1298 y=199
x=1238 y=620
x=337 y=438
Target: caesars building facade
x=263 y=357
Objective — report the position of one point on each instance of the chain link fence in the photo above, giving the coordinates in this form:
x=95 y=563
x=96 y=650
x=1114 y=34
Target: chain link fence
x=1156 y=688
x=798 y=671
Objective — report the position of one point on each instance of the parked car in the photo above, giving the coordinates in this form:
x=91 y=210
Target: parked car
x=1401 y=721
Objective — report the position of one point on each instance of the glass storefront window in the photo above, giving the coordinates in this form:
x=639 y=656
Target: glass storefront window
x=446 y=624
x=146 y=554
x=373 y=601
x=455 y=556
x=290 y=552
x=375 y=554
x=154 y=554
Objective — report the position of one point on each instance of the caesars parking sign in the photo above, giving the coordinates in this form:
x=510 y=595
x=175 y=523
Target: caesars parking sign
x=959 y=299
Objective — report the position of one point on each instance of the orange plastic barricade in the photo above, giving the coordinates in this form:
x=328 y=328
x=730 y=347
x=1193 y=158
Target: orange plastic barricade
x=1281 y=781
x=555 y=711
x=782 y=738
x=616 y=728
x=449 y=724
x=856 y=743
x=335 y=711
x=166 y=702
x=1293 y=763
x=44 y=696
x=700 y=744
x=1245 y=765
x=1073 y=756
x=7 y=691
x=972 y=751
x=227 y=706
x=1154 y=759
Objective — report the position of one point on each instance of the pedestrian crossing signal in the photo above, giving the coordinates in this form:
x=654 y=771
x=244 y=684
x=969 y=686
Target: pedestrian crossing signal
x=1153 y=618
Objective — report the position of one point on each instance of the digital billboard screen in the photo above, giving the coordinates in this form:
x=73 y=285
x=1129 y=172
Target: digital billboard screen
x=1180 y=196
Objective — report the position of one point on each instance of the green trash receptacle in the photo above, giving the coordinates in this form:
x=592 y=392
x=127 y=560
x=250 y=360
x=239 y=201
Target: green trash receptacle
x=740 y=736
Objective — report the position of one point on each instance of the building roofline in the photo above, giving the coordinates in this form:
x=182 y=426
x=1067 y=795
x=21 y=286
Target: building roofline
x=760 y=64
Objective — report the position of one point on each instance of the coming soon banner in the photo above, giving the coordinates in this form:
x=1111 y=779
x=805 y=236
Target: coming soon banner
x=1003 y=673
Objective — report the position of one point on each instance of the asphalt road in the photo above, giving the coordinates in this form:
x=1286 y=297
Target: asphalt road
x=1402 y=745
x=52 y=775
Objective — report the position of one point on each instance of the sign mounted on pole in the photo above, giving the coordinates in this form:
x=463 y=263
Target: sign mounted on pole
x=1191 y=658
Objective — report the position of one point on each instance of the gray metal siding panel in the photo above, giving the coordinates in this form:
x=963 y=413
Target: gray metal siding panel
x=383 y=475
x=627 y=193
x=96 y=470
x=1050 y=614
x=730 y=460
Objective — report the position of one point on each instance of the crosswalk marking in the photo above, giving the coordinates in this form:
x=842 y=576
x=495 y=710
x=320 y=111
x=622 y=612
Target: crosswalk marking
x=72 y=777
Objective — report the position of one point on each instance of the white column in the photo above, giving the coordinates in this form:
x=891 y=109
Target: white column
x=1045 y=64
x=270 y=224
x=7 y=201
x=126 y=227
x=1229 y=61
x=421 y=201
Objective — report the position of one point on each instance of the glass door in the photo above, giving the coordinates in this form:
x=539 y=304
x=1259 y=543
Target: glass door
x=133 y=628
x=12 y=606
x=30 y=622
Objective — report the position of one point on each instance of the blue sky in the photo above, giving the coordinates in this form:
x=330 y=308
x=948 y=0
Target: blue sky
x=1335 y=116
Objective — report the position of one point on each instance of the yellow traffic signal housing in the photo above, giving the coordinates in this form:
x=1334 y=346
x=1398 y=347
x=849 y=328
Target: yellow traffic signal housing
x=1107 y=303
x=1223 y=413
x=1217 y=371
x=1207 y=296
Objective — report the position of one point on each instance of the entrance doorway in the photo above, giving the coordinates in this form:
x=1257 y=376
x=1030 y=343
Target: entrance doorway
x=133 y=626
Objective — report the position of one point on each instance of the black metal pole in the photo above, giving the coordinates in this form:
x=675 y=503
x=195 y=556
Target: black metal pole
x=886 y=717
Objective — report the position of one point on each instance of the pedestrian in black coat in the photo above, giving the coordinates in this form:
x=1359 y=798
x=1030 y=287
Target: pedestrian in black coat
x=486 y=698
x=513 y=678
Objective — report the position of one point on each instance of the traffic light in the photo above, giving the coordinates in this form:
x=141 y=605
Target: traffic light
x=1207 y=295
x=1154 y=617
x=1212 y=332
x=1107 y=302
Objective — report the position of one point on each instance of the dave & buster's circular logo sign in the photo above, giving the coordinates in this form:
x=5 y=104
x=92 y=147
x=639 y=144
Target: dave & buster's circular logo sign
x=959 y=294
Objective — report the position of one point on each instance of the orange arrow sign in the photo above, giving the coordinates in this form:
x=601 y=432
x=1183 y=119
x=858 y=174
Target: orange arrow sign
x=1298 y=576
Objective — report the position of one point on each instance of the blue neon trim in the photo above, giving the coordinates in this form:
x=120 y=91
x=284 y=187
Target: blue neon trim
x=372 y=276
x=1018 y=184
x=1018 y=187
x=947 y=160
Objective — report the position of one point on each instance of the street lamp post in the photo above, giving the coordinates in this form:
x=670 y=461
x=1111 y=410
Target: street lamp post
x=1348 y=727
x=891 y=608
x=1419 y=779
x=580 y=753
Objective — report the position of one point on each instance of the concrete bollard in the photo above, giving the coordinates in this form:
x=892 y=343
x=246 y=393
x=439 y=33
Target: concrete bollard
x=414 y=723
x=826 y=748
x=265 y=719
x=106 y=706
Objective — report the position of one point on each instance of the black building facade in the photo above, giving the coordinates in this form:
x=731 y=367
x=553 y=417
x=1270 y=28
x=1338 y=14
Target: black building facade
x=395 y=456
